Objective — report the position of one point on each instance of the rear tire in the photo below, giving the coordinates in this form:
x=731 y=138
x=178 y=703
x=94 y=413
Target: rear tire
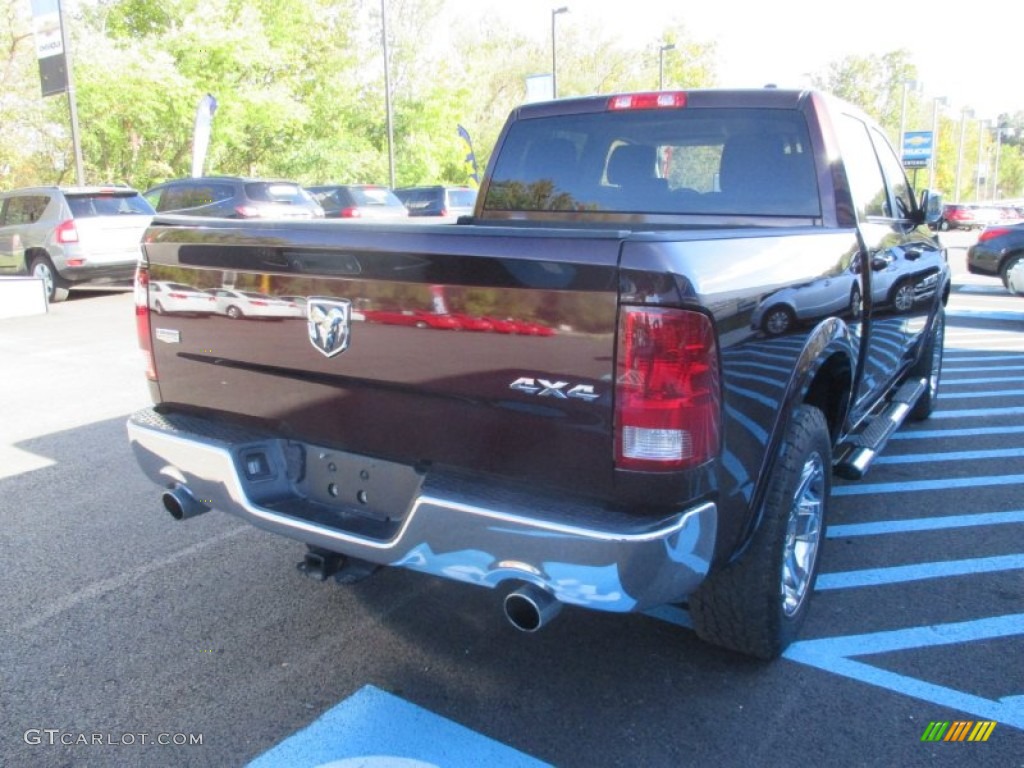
x=930 y=367
x=234 y=312
x=1004 y=271
x=757 y=604
x=56 y=288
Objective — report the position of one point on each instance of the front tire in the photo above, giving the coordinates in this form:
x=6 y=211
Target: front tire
x=757 y=604
x=778 y=320
x=902 y=299
x=56 y=289
x=234 y=312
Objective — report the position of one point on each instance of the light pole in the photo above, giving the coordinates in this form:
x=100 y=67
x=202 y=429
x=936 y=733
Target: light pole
x=964 y=114
x=933 y=165
x=661 y=64
x=387 y=93
x=912 y=86
x=977 y=170
x=554 y=57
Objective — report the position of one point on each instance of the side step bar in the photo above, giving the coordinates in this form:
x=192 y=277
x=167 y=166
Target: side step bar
x=859 y=450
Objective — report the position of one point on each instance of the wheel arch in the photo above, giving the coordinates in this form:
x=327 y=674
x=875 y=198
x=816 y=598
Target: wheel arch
x=823 y=378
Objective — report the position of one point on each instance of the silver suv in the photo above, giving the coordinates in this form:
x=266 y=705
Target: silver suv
x=69 y=235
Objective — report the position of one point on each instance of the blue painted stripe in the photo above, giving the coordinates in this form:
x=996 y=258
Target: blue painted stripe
x=920 y=458
x=909 y=486
x=998 y=316
x=849 y=530
x=982 y=412
x=749 y=394
x=945 y=394
x=942 y=434
x=887 y=641
x=898 y=574
x=982 y=368
x=827 y=654
x=673 y=614
x=947 y=380
x=759 y=434
x=981 y=358
x=374 y=729
x=779 y=383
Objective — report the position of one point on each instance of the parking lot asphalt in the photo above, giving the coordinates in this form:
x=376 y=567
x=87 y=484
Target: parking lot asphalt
x=124 y=629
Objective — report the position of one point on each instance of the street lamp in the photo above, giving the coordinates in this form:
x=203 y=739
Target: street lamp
x=964 y=114
x=661 y=64
x=387 y=93
x=977 y=172
x=554 y=59
x=908 y=85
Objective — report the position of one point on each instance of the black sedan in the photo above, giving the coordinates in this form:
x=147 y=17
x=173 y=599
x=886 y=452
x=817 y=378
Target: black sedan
x=997 y=251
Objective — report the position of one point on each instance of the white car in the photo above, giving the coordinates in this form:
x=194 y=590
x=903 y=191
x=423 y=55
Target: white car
x=179 y=298
x=239 y=304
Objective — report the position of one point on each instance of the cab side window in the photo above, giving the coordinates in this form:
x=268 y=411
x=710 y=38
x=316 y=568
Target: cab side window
x=867 y=183
x=903 y=195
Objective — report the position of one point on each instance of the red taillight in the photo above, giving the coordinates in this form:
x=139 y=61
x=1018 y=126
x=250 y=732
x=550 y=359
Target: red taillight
x=248 y=211
x=668 y=392
x=350 y=213
x=178 y=295
x=988 y=234
x=142 y=324
x=653 y=100
x=66 y=232
x=258 y=303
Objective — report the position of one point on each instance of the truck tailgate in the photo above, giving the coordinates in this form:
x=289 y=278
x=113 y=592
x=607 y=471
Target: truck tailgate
x=475 y=348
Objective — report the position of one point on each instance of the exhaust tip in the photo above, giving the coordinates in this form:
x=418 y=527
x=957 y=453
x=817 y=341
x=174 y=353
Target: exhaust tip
x=529 y=608
x=181 y=503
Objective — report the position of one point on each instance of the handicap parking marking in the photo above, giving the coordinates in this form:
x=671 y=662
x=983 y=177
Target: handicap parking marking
x=376 y=729
x=837 y=655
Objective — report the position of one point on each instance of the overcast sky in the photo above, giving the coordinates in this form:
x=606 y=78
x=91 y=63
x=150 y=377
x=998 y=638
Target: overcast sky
x=968 y=53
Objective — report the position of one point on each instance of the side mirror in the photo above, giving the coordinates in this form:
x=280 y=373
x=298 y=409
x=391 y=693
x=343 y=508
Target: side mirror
x=929 y=208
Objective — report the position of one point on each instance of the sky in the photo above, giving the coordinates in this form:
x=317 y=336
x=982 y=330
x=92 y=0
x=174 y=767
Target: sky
x=970 y=55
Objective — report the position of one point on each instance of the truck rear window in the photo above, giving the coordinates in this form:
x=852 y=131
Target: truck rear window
x=755 y=162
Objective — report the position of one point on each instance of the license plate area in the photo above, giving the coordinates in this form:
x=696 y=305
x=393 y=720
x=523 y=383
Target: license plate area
x=374 y=488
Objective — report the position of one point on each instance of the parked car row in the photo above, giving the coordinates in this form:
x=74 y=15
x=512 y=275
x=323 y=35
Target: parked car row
x=74 y=235
x=976 y=216
x=178 y=298
x=233 y=197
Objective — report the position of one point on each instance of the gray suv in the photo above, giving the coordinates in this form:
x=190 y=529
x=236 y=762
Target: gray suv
x=71 y=235
x=234 y=197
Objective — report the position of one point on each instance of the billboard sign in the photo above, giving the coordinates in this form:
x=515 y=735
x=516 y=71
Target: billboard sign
x=49 y=39
x=917 y=149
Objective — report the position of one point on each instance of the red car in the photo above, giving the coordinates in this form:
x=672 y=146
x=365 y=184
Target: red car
x=412 y=317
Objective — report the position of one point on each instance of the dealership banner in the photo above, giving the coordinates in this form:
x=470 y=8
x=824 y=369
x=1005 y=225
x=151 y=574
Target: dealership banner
x=201 y=132
x=470 y=160
x=49 y=37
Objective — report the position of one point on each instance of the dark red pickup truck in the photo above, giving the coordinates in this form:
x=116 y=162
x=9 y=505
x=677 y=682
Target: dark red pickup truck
x=625 y=381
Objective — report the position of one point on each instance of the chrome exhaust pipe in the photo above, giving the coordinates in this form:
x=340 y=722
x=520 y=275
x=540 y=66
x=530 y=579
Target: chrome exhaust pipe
x=180 y=502
x=529 y=608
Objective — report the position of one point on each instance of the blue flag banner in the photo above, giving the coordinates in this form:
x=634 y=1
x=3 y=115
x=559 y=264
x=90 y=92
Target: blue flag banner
x=471 y=166
x=201 y=132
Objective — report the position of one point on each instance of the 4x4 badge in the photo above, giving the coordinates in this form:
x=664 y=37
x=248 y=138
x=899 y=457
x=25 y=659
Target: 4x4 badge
x=329 y=321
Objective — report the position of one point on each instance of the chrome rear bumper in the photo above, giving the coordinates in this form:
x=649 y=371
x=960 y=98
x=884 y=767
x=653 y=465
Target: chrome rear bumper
x=449 y=526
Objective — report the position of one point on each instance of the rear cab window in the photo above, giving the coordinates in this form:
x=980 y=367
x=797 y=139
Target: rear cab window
x=277 y=192
x=729 y=161
x=113 y=203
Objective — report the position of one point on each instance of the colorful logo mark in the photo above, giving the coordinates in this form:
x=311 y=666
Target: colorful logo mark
x=959 y=730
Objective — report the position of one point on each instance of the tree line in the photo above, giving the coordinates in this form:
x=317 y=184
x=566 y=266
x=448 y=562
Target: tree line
x=300 y=92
